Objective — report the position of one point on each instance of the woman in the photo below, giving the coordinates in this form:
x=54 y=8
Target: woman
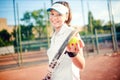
x=73 y=61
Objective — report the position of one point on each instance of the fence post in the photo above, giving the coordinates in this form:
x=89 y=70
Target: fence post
x=20 y=46
x=97 y=43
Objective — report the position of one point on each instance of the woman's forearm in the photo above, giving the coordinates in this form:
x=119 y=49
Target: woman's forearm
x=79 y=60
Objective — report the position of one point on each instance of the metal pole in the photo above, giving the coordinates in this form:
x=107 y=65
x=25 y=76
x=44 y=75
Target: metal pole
x=19 y=37
x=97 y=43
x=51 y=2
x=115 y=46
x=91 y=25
x=114 y=30
x=16 y=35
x=83 y=16
x=46 y=16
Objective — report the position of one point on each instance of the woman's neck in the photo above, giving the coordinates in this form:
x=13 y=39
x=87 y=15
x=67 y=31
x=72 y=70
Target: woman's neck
x=57 y=29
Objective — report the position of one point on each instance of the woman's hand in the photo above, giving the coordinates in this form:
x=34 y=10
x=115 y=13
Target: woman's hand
x=73 y=47
x=75 y=51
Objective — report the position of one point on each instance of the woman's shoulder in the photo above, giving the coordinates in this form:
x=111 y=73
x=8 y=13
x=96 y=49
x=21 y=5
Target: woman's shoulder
x=70 y=28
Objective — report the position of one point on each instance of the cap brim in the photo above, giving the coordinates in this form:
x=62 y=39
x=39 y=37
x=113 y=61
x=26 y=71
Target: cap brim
x=59 y=8
x=49 y=9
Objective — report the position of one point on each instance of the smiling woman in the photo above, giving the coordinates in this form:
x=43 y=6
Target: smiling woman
x=72 y=60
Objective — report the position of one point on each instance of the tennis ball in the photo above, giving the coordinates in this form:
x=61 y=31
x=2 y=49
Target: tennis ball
x=73 y=40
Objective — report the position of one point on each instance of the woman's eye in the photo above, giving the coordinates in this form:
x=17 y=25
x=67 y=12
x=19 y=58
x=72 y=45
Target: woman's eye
x=55 y=15
x=51 y=14
x=59 y=15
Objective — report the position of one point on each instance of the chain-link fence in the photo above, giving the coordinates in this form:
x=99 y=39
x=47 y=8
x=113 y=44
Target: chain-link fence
x=100 y=44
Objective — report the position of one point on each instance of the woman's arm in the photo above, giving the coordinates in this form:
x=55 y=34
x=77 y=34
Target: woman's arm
x=79 y=60
x=75 y=51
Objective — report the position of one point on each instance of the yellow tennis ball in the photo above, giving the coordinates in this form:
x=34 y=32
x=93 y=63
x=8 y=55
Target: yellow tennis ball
x=73 y=40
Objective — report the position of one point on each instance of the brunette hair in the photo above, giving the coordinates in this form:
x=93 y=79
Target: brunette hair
x=69 y=11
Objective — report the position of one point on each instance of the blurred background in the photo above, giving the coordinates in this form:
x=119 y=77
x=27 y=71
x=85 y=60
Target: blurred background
x=25 y=28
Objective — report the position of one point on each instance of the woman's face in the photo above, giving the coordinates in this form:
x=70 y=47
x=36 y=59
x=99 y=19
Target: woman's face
x=57 y=19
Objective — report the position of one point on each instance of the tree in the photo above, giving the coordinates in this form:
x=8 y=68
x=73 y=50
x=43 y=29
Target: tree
x=97 y=24
x=107 y=27
x=117 y=27
x=5 y=38
x=35 y=20
x=26 y=18
x=94 y=24
x=26 y=32
x=26 y=27
x=90 y=22
x=40 y=21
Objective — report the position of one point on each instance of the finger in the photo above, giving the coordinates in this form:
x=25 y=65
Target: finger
x=77 y=47
x=68 y=48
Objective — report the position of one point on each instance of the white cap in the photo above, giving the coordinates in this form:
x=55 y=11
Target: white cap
x=59 y=8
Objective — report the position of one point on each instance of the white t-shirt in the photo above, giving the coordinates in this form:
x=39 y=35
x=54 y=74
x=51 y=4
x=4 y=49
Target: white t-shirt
x=66 y=70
